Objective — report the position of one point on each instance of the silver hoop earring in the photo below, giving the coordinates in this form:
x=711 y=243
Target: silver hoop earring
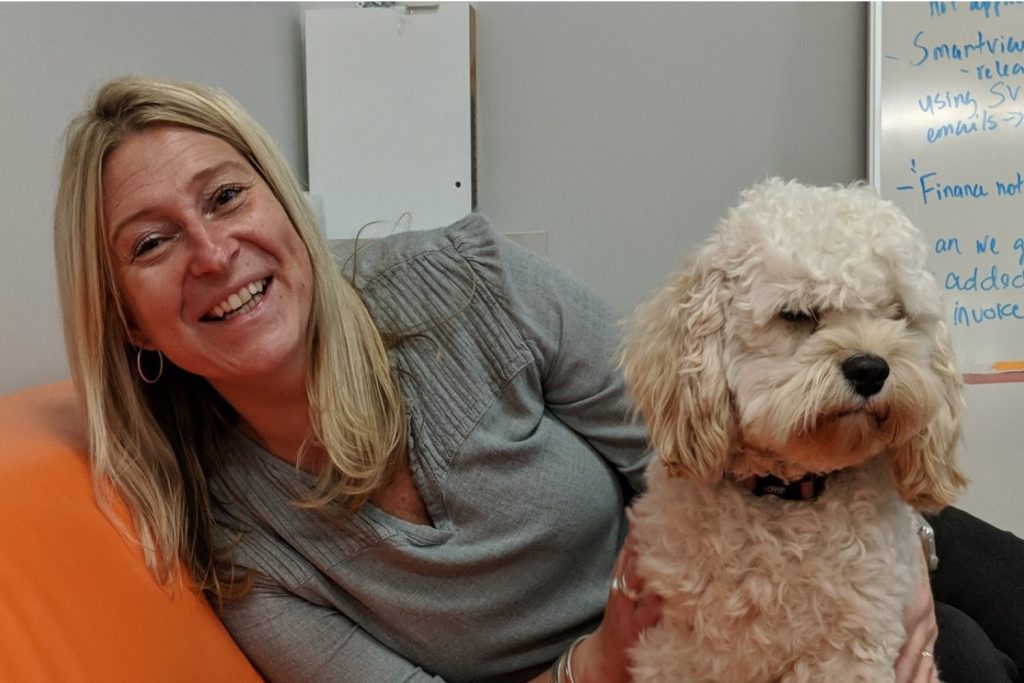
x=142 y=374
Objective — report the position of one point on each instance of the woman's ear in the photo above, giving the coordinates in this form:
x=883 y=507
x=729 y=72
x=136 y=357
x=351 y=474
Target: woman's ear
x=139 y=340
x=673 y=362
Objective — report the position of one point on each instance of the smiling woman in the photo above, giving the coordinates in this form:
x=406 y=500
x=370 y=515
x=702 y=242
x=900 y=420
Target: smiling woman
x=353 y=472
x=171 y=201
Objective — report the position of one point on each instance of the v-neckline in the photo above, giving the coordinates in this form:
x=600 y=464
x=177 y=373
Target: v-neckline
x=419 y=534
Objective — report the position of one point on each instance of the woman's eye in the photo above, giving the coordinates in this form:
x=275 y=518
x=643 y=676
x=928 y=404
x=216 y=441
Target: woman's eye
x=145 y=245
x=226 y=195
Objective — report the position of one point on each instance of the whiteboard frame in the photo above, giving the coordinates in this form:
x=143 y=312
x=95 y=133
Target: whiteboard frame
x=874 y=94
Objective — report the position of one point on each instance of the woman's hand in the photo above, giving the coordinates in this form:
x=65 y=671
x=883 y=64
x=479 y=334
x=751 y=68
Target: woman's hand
x=916 y=661
x=604 y=656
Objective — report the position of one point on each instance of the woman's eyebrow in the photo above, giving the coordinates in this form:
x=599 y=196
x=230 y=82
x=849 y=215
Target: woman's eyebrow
x=203 y=176
x=198 y=180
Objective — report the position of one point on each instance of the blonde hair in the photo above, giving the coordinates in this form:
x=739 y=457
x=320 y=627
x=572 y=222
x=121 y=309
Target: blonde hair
x=155 y=444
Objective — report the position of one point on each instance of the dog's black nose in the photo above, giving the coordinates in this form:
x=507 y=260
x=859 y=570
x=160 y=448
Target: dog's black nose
x=866 y=372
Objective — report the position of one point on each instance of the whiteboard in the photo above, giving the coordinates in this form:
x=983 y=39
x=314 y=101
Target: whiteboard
x=947 y=145
x=388 y=107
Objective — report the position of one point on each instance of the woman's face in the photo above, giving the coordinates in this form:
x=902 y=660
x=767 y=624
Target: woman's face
x=213 y=273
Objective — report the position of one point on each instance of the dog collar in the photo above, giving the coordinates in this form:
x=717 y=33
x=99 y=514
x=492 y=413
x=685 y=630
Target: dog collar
x=808 y=487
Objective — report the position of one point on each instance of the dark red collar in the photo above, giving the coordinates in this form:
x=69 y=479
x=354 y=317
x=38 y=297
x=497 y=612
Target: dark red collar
x=808 y=487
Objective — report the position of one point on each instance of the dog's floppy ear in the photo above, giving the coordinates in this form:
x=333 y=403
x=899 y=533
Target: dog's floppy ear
x=925 y=467
x=673 y=362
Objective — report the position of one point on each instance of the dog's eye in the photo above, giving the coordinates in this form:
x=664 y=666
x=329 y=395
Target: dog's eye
x=895 y=311
x=799 y=317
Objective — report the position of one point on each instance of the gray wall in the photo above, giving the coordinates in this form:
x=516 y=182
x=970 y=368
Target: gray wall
x=626 y=130
x=623 y=131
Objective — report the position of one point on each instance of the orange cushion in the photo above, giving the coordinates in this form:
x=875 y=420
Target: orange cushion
x=76 y=600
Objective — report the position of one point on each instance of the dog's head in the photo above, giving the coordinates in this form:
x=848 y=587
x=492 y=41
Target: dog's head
x=805 y=336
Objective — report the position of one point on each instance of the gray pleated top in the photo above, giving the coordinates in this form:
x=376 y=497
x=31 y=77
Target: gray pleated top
x=522 y=448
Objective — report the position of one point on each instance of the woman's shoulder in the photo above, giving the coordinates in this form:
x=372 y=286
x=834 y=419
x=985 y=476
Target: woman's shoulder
x=414 y=279
x=471 y=239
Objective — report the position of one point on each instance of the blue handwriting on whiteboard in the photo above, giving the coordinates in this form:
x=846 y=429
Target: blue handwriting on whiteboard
x=945 y=245
x=932 y=190
x=960 y=128
x=964 y=317
x=999 y=69
x=934 y=103
x=984 y=46
x=1012 y=188
x=993 y=281
x=989 y=9
x=1003 y=92
x=986 y=246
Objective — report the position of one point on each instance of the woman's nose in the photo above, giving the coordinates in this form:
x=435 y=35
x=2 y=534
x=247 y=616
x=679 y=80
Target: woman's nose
x=213 y=249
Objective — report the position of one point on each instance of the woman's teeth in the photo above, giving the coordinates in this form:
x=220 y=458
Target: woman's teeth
x=242 y=301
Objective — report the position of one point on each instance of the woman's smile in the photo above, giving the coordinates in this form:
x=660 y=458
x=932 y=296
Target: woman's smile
x=239 y=303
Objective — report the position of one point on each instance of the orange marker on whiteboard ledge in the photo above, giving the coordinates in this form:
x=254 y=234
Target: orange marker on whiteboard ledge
x=1008 y=366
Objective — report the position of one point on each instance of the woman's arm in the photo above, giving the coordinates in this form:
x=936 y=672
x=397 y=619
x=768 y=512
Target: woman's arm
x=292 y=640
x=916 y=661
x=574 y=336
x=603 y=656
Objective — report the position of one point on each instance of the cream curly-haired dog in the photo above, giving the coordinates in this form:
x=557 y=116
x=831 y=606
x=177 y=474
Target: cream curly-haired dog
x=798 y=383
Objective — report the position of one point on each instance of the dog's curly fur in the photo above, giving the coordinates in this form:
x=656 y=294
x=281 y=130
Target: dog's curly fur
x=738 y=367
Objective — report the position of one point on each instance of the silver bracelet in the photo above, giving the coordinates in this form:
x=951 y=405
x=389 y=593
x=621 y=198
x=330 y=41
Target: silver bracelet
x=561 y=671
x=927 y=536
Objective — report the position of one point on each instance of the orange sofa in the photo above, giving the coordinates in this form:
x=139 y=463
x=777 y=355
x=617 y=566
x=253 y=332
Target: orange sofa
x=76 y=600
